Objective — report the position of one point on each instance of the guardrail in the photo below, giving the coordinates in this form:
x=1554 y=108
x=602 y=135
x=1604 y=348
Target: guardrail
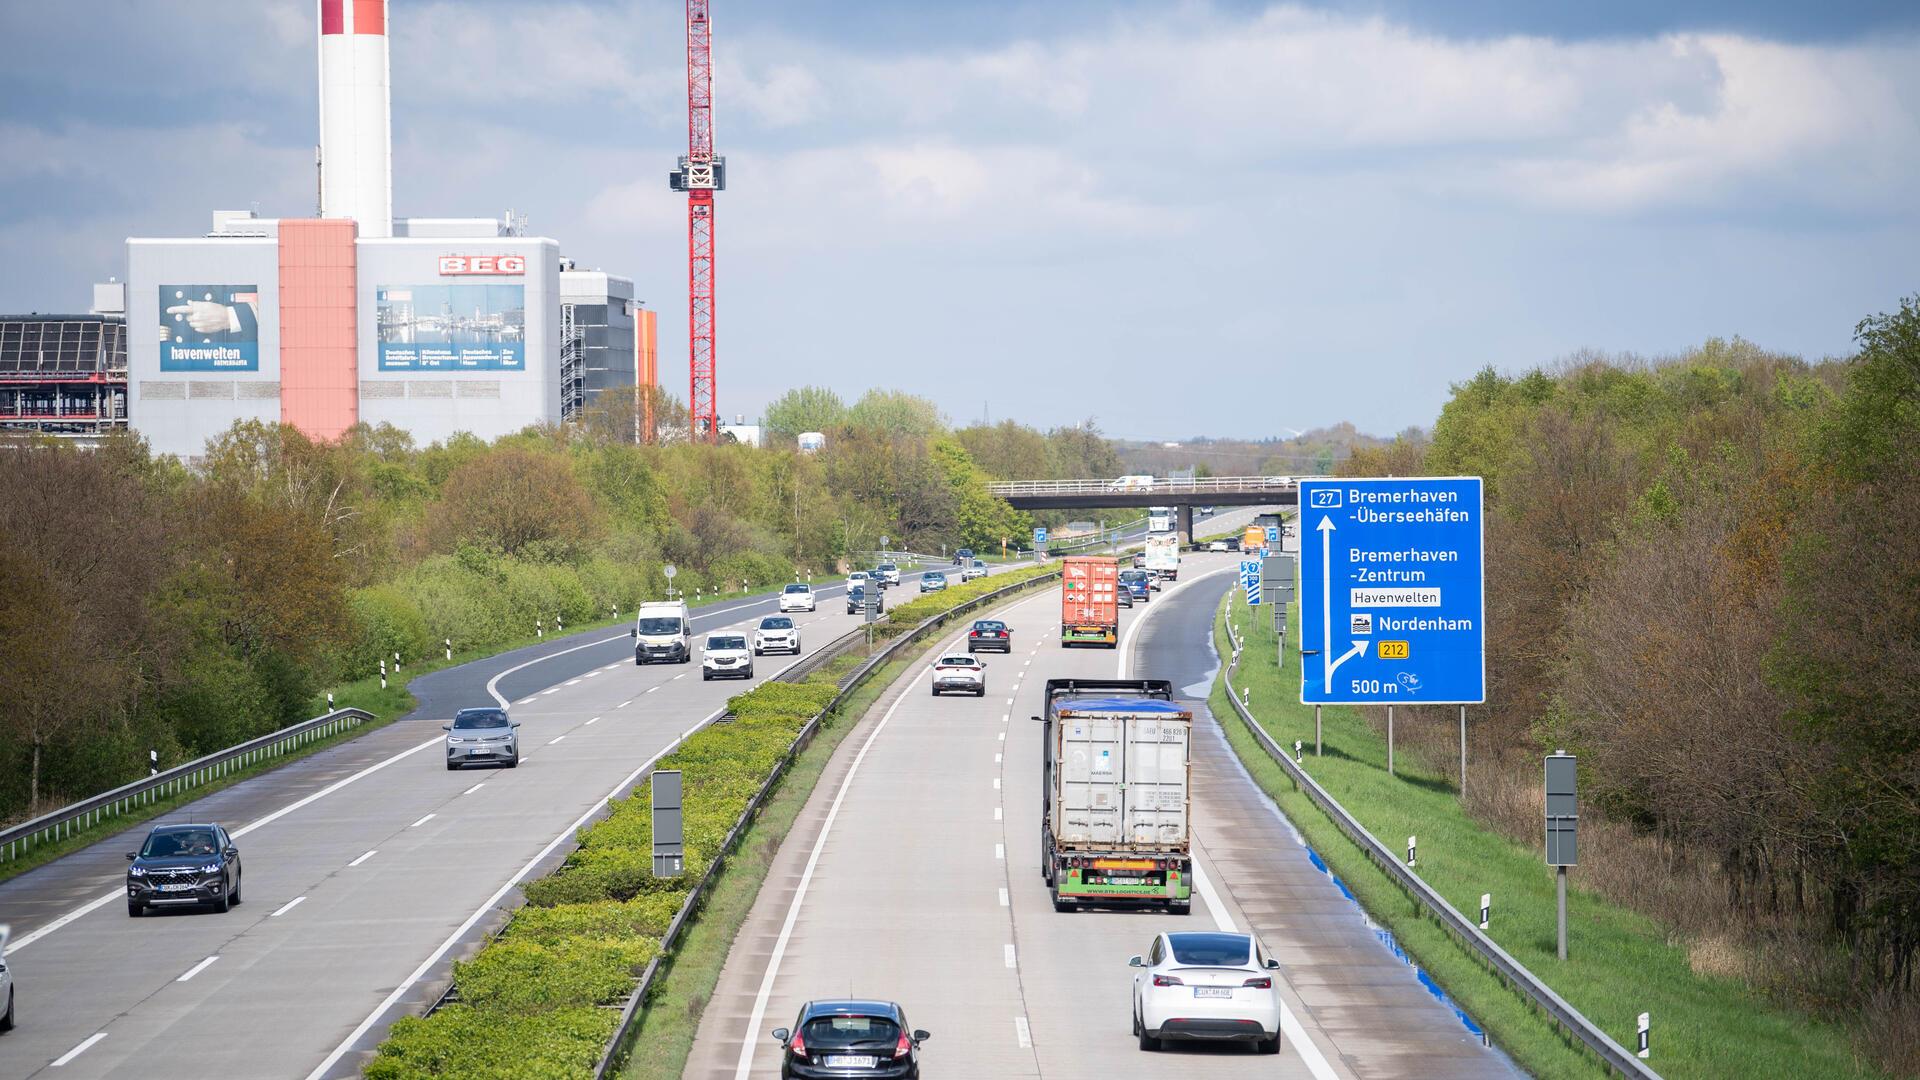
x=610 y=1055
x=87 y=813
x=1211 y=485
x=1612 y=1054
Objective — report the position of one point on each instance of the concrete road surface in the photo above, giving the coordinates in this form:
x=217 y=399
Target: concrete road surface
x=913 y=875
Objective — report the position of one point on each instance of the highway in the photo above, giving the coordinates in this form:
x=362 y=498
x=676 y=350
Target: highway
x=367 y=868
x=913 y=875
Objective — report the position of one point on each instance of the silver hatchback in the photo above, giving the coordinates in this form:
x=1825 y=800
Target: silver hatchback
x=482 y=736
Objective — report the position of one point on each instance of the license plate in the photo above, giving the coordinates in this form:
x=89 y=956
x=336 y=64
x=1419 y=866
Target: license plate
x=180 y=887
x=1213 y=991
x=478 y=750
x=850 y=1061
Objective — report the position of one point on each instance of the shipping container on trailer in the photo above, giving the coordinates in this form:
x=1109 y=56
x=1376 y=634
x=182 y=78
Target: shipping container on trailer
x=1115 y=788
x=1089 y=610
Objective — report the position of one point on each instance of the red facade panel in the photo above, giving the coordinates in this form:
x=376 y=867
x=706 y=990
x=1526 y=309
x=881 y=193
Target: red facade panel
x=369 y=16
x=319 y=330
x=333 y=19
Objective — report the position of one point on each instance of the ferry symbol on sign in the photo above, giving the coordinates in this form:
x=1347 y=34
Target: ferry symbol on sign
x=1363 y=624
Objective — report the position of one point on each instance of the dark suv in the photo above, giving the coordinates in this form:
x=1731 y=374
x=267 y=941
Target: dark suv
x=850 y=1038
x=182 y=865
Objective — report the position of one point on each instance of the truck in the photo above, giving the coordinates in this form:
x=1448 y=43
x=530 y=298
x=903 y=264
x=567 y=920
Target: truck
x=1116 y=809
x=1163 y=554
x=662 y=631
x=1159 y=519
x=1089 y=610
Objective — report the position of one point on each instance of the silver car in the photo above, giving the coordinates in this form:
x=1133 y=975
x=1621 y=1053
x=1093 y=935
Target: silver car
x=482 y=736
x=6 y=979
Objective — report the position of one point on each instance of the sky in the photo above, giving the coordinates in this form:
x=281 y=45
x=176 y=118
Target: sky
x=1173 y=218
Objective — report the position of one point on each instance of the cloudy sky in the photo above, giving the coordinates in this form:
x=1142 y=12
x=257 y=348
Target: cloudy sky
x=1219 y=217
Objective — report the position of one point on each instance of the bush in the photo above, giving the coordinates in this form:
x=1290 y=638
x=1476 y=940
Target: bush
x=494 y=1044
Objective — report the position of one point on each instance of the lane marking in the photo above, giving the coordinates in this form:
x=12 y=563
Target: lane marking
x=593 y=674
x=569 y=682
x=1010 y=960
x=1003 y=897
x=422 y=821
x=493 y=684
x=365 y=857
x=1003 y=736
x=650 y=690
x=551 y=690
x=1022 y=1033
x=1000 y=851
x=479 y=785
x=555 y=739
x=286 y=907
x=526 y=699
x=197 y=968
x=624 y=704
x=996 y=783
x=997 y=813
x=996 y=759
x=426 y=965
x=595 y=720
x=120 y=892
x=680 y=676
x=78 y=1050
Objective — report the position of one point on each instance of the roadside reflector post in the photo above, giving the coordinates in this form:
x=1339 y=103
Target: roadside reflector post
x=396 y=663
x=448 y=642
x=559 y=624
x=1645 y=1029
x=383 y=673
x=1296 y=751
x=540 y=628
x=1486 y=908
x=1411 y=845
x=153 y=763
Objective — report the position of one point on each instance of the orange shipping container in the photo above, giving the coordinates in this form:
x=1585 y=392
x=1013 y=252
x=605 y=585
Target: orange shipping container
x=1089 y=609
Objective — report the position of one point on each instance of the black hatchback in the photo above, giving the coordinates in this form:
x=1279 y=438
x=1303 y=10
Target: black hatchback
x=184 y=866
x=842 y=1038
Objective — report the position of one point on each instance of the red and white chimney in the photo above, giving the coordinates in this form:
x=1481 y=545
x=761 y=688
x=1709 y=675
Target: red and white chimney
x=356 y=143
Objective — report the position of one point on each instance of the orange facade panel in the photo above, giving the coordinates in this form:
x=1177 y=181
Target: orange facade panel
x=319 y=330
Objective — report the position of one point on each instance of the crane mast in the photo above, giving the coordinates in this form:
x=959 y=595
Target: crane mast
x=701 y=173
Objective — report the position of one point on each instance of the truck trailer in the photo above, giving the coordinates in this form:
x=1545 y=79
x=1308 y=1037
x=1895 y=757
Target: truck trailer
x=1089 y=610
x=1115 y=802
x=1163 y=554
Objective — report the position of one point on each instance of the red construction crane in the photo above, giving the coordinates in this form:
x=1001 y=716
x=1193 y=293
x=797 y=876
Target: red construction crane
x=701 y=173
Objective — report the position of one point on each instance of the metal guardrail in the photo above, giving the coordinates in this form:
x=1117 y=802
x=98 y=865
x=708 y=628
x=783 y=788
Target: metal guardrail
x=1611 y=1053
x=1211 y=485
x=76 y=818
x=610 y=1055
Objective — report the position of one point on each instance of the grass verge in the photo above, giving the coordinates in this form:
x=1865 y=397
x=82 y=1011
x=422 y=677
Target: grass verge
x=1619 y=964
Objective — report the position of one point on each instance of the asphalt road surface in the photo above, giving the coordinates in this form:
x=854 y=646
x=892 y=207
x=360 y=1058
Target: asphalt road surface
x=913 y=875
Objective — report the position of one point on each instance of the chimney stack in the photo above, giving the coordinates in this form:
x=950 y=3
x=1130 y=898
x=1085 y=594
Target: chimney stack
x=356 y=144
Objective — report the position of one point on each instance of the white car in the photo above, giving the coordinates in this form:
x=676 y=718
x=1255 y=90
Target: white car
x=1206 y=986
x=798 y=597
x=961 y=674
x=890 y=571
x=977 y=569
x=857 y=579
x=6 y=979
x=1217 y=545
x=776 y=633
x=726 y=655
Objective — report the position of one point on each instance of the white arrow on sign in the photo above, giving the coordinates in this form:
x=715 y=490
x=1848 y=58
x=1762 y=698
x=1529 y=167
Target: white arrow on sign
x=1326 y=609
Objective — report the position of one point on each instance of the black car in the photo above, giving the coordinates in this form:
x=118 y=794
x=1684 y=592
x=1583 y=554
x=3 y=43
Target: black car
x=963 y=556
x=184 y=866
x=849 y=1038
x=990 y=634
x=857 y=599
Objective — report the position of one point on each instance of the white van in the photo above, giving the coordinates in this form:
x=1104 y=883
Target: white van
x=663 y=632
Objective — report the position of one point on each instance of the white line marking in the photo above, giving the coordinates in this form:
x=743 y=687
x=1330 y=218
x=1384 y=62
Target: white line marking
x=1009 y=701
x=996 y=759
x=998 y=813
x=680 y=676
x=1003 y=898
x=595 y=720
x=1010 y=962
x=996 y=783
x=1022 y=1033
x=481 y=784
x=119 y=893
x=624 y=704
x=365 y=857
x=493 y=684
x=1003 y=736
x=555 y=739
x=422 y=821
x=570 y=682
x=551 y=690
x=747 y=1045
x=593 y=674
x=426 y=965
x=197 y=968
x=82 y=1048
x=999 y=851
x=651 y=689
x=526 y=699
x=286 y=907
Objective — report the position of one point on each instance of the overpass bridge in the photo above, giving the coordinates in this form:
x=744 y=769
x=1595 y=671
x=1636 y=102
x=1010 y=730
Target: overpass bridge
x=1182 y=495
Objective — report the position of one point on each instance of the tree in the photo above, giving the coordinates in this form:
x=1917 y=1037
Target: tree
x=511 y=500
x=894 y=412
x=809 y=408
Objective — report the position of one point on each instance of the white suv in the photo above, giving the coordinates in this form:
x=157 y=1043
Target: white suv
x=1204 y=987
x=726 y=655
x=798 y=597
x=889 y=571
x=962 y=674
x=776 y=634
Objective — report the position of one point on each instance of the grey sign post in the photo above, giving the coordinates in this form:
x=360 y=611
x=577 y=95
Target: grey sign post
x=1563 y=821
x=669 y=847
x=1276 y=573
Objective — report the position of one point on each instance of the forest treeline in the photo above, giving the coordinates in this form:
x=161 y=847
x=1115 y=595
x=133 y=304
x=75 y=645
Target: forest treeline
x=1703 y=576
x=148 y=604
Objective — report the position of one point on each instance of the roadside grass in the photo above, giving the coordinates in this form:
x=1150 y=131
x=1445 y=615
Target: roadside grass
x=1619 y=964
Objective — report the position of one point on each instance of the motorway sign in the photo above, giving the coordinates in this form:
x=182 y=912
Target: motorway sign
x=1039 y=535
x=1273 y=536
x=1392 y=596
x=1250 y=580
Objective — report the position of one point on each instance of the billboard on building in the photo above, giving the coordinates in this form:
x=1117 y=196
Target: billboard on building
x=464 y=327
x=209 y=328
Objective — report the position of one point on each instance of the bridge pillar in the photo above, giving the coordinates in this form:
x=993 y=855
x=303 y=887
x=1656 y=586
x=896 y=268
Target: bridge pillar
x=1183 y=524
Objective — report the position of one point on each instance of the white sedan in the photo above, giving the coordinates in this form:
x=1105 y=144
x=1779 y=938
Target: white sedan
x=963 y=674
x=776 y=633
x=1206 y=987
x=1217 y=545
x=798 y=597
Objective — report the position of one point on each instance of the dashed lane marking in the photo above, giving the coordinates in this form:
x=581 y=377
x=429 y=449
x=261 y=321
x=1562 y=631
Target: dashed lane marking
x=365 y=857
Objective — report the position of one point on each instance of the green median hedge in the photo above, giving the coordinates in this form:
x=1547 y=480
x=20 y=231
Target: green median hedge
x=540 y=1000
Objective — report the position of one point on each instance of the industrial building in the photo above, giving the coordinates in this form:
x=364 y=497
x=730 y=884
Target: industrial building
x=437 y=326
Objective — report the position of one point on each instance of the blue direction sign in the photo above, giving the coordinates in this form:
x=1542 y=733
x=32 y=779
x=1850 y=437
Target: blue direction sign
x=1039 y=535
x=1250 y=580
x=1392 y=599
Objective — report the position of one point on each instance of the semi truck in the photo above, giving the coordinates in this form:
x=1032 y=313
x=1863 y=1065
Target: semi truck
x=1115 y=801
x=1159 y=518
x=1089 y=610
x=1163 y=554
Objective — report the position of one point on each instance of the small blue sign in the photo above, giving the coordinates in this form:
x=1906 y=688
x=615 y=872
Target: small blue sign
x=1039 y=535
x=1250 y=580
x=1392 y=592
x=1273 y=535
